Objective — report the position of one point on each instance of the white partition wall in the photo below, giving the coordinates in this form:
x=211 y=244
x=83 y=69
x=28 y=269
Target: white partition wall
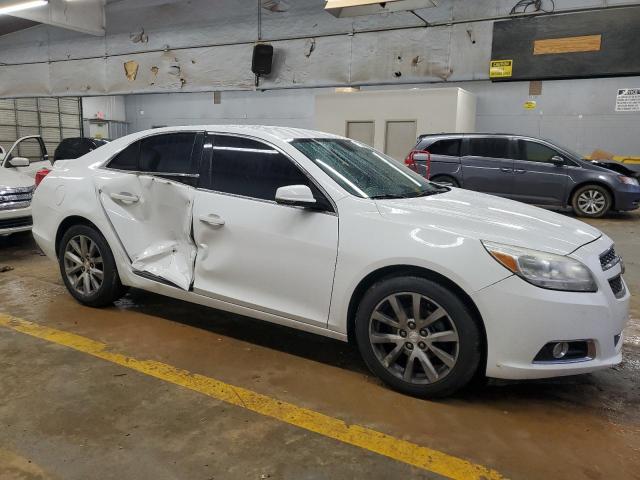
x=394 y=113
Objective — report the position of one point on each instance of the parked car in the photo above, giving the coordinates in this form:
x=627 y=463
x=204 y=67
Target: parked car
x=527 y=169
x=75 y=147
x=324 y=234
x=17 y=184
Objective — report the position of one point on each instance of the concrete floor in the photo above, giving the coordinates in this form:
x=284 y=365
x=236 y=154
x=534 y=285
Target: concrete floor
x=67 y=415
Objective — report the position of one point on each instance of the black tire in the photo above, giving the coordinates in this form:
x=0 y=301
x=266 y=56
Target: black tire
x=469 y=344
x=446 y=180
x=595 y=210
x=111 y=289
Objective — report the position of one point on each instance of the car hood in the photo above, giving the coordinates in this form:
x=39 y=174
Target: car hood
x=486 y=217
x=10 y=177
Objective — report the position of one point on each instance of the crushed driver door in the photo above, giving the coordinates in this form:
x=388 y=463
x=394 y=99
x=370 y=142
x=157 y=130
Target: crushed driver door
x=150 y=207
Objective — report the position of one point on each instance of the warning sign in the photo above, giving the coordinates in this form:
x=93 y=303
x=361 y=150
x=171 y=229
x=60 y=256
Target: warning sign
x=500 y=68
x=628 y=100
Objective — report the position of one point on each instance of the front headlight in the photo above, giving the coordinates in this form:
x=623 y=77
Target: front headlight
x=546 y=270
x=627 y=180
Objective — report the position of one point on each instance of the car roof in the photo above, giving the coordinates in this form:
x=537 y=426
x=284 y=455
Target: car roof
x=280 y=133
x=474 y=134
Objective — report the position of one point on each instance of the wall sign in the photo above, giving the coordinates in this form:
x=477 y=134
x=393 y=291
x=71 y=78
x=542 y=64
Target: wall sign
x=530 y=105
x=500 y=68
x=628 y=100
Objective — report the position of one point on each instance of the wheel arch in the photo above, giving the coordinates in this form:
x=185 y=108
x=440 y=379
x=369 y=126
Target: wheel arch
x=69 y=222
x=592 y=182
x=411 y=270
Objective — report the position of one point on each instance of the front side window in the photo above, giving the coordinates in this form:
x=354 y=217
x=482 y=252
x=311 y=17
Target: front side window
x=491 y=147
x=362 y=171
x=536 y=152
x=246 y=167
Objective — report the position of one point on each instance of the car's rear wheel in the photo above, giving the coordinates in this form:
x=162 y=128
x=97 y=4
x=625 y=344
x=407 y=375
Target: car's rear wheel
x=591 y=201
x=418 y=336
x=445 y=180
x=88 y=268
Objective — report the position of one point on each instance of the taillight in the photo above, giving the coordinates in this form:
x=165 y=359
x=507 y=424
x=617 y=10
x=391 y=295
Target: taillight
x=40 y=174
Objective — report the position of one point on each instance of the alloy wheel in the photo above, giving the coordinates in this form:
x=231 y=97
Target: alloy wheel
x=591 y=202
x=83 y=265
x=414 y=338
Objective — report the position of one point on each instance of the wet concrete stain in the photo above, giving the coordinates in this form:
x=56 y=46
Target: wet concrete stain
x=573 y=427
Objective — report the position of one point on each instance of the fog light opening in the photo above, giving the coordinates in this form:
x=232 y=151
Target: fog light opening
x=560 y=349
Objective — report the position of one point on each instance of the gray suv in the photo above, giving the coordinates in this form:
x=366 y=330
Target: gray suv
x=526 y=169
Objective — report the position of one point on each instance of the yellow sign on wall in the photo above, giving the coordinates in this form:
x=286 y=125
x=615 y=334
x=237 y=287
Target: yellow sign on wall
x=530 y=105
x=500 y=68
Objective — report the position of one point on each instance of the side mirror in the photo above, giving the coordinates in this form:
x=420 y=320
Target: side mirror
x=557 y=160
x=19 y=162
x=299 y=195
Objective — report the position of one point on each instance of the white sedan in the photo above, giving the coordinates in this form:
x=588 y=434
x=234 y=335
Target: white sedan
x=322 y=233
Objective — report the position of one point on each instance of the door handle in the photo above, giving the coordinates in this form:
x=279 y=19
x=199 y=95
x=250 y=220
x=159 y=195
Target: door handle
x=520 y=170
x=213 y=220
x=125 y=197
x=506 y=170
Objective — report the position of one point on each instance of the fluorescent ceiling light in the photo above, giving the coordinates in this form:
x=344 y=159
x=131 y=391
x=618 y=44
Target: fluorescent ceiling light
x=17 y=6
x=354 y=8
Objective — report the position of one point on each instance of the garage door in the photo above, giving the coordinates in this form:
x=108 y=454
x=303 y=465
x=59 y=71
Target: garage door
x=52 y=118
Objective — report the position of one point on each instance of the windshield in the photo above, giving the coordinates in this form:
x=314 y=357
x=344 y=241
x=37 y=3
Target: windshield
x=364 y=172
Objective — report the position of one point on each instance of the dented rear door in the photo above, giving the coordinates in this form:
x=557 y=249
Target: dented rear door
x=147 y=195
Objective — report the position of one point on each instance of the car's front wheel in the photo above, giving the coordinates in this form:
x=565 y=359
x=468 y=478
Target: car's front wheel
x=418 y=336
x=88 y=267
x=591 y=201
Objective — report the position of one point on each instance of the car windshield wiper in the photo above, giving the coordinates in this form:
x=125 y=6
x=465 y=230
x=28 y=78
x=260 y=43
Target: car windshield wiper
x=424 y=193
x=388 y=196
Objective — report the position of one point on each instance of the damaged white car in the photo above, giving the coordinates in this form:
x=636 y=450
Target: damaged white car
x=327 y=235
x=17 y=182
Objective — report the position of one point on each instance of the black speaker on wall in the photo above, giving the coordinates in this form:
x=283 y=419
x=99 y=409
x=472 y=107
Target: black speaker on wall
x=262 y=59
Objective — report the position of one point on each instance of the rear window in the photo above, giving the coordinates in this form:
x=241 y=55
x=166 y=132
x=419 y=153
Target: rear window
x=445 y=147
x=488 y=147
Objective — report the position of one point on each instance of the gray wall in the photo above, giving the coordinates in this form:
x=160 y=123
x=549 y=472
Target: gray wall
x=578 y=114
x=202 y=45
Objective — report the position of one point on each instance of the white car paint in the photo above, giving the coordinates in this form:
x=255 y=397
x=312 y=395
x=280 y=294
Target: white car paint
x=300 y=268
x=16 y=188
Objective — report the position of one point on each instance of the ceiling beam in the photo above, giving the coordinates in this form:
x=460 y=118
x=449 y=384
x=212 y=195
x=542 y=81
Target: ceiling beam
x=86 y=16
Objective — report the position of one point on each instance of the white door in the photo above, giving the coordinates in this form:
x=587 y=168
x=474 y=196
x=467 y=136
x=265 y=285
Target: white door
x=257 y=253
x=146 y=194
x=362 y=132
x=400 y=138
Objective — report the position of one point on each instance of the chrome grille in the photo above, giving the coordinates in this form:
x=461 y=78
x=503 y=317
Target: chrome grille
x=617 y=287
x=609 y=259
x=14 y=198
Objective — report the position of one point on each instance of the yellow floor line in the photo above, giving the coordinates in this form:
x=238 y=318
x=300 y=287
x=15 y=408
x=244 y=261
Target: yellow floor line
x=363 y=437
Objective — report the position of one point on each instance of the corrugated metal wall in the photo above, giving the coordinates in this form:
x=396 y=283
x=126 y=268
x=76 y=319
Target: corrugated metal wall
x=52 y=118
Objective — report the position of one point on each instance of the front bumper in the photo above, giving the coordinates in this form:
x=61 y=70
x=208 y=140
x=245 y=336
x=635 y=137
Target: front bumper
x=627 y=197
x=521 y=318
x=14 y=221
